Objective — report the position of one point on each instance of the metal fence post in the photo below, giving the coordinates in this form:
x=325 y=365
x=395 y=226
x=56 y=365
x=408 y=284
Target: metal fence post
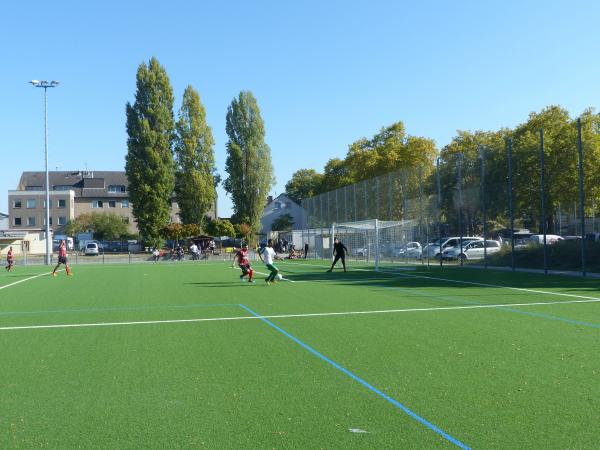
x=365 y=192
x=510 y=206
x=346 y=203
x=542 y=191
x=390 y=196
x=421 y=208
x=377 y=197
x=439 y=209
x=420 y=203
x=460 y=157
x=355 y=206
x=483 y=205
x=581 y=197
x=321 y=208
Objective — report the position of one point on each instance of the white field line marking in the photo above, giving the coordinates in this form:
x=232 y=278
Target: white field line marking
x=26 y=279
x=284 y=316
x=533 y=291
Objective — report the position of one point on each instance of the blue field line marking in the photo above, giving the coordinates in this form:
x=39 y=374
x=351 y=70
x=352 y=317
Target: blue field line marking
x=360 y=380
x=124 y=308
x=467 y=302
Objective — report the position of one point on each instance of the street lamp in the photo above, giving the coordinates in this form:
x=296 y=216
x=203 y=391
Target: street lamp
x=46 y=84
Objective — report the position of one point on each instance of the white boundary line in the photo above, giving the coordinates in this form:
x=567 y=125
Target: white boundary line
x=284 y=316
x=473 y=283
x=25 y=279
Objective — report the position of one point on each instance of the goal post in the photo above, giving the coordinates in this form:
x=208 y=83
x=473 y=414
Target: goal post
x=377 y=241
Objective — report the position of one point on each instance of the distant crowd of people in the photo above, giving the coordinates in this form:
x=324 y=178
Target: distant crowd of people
x=177 y=253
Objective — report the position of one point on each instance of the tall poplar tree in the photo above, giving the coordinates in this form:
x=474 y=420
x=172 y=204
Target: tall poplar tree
x=194 y=160
x=248 y=160
x=149 y=162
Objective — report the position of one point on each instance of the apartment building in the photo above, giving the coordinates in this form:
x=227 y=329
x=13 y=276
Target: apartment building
x=73 y=193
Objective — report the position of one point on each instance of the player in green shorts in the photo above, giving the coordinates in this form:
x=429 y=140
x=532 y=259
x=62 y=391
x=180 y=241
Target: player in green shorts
x=267 y=256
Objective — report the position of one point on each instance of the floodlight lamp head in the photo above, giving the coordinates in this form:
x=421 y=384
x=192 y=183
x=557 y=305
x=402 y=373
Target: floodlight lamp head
x=35 y=82
x=55 y=83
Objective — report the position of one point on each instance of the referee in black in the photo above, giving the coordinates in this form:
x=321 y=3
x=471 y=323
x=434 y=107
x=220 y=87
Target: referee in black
x=339 y=251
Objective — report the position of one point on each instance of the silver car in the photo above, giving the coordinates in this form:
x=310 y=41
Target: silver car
x=472 y=250
x=432 y=250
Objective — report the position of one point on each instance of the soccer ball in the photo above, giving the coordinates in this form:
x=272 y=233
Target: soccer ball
x=279 y=277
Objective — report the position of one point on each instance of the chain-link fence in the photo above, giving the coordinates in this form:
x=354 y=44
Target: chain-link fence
x=511 y=204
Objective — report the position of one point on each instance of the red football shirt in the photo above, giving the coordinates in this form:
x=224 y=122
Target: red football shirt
x=242 y=257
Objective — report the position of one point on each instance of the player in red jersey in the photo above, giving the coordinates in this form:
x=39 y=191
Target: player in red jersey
x=244 y=262
x=10 y=259
x=62 y=259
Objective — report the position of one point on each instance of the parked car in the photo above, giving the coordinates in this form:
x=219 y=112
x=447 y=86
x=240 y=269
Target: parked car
x=434 y=249
x=363 y=252
x=411 y=250
x=91 y=248
x=550 y=239
x=472 y=250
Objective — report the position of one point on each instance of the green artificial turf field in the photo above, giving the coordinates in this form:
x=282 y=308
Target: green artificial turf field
x=184 y=355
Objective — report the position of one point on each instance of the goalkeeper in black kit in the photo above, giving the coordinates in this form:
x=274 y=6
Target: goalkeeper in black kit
x=339 y=252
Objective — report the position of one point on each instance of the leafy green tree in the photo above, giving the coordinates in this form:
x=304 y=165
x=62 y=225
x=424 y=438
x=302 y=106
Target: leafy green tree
x=560 y=151
x=149 y=162
x=248 y=165
x=220 y=227
x=390 y=149
x=473 y=146
x=194 y=160
x=173 y=231
x=191 y=230
x=337 y=173
x=108 y=226
x=305 y=183
x=80 y=224
x=284 y=222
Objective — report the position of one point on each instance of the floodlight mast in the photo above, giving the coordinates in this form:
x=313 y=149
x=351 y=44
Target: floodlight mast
x=46 y=84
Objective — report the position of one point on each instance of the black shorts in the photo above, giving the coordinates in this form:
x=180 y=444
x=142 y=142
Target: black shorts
x=62 y=260
x=245 y=268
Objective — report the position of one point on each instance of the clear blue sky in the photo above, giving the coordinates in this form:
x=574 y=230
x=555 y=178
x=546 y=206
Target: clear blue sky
x=325 y=73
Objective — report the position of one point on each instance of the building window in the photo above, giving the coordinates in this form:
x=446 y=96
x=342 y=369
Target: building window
x=17 y=222
x=61 y=187
x=34 y=188
x=62 y=220
x=116 y=189
x=125 y=220
x=31 y=204
x=45 y=203
x=97 y=204
x=124 y=203
x=112 y=204
x=62 y=203
x=50 y=221
x=31 y=221
x=17 y=204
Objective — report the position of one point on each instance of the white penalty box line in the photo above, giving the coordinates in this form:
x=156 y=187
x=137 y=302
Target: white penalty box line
x=472 y=283
x=285 y=316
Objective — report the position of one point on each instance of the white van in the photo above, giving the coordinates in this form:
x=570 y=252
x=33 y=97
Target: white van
x=91 y=248
x=68 y=241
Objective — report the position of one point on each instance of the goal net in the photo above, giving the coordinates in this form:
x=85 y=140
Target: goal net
x=375 y=241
